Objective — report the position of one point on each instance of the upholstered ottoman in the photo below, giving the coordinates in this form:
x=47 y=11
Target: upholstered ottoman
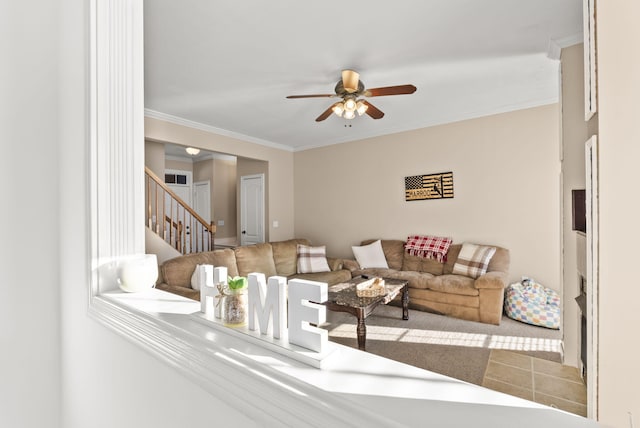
x=533 y=304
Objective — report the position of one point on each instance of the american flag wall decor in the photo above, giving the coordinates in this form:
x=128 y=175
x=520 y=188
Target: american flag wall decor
x=429 y=186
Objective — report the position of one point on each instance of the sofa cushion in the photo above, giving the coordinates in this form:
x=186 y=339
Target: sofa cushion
x=500 y=261
x=473 y=260
x=421 y=264
x=331 y=278
x=393 y=250
x=370 y=256
x=416 y=279
x=178 y=271
x=335 y=264
x=453 y=284
x=312 y=259
x=255 y=258
x=285 y=255
x=452 y=256
x=445 y=298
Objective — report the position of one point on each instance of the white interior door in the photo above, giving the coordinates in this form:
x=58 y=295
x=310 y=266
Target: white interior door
x=251 y=209
x=202 y=199
x=183 y=192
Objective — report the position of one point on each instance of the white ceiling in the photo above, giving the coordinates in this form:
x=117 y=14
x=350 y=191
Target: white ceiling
x=230 y=65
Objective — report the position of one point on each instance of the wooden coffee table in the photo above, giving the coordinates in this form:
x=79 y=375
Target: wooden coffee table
x=343 y=298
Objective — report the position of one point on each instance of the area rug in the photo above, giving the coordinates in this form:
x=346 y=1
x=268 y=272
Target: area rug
x=442 y=344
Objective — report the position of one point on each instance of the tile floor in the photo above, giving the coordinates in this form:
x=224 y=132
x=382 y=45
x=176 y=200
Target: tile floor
x=538 y=380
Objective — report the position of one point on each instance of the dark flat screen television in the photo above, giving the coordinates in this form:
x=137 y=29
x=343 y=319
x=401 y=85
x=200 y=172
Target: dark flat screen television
x=579 y=210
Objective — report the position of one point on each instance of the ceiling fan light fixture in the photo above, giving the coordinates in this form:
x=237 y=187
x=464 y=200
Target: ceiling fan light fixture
x=350 y=105
x=361 y=108
x=338 y=108
x=192 y=151
x=348 y=89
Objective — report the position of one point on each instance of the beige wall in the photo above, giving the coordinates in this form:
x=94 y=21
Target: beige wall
x=179 y=165
x=203 y=170
x=280 y=184
x=154 y=157
x=224 y=197
x=506 y=183
x=618 y=67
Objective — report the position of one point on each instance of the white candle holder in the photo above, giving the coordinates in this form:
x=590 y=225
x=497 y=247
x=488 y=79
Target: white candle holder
x=138 y=272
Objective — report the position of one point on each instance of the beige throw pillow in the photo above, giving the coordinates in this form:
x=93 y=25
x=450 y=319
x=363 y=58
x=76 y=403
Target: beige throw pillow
x=473 y=260
x=312 y=259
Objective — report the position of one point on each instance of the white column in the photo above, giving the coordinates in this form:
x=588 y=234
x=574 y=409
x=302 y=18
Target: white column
x=116 y=132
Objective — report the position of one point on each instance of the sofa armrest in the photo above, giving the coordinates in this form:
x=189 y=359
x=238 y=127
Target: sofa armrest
x=491 y=280
x=189 y=293
x=334 y=264
x=350 y=265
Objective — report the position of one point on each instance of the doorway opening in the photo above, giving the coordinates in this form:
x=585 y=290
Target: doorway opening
x=213 y=183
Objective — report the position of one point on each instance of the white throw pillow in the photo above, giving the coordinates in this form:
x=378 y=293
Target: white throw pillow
x=195 y=278
x=370 y=256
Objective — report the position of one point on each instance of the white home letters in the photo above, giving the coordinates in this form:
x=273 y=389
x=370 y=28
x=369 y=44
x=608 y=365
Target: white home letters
x=208 y=277
x=267 y=301
x=302 y=312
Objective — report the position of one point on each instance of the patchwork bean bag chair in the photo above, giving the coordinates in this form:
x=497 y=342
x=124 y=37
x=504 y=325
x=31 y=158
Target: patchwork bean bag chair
x=533 y=304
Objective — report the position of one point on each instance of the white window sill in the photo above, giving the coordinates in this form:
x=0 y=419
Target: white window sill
x=355 y=387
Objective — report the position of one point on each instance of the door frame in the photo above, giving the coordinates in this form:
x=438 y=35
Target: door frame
x=593 y=274
x=243 y=178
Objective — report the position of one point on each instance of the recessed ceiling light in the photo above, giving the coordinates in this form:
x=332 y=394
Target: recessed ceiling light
x=192 y=151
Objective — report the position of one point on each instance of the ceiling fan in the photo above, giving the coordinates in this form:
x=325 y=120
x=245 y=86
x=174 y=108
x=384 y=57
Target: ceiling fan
x=350 y=88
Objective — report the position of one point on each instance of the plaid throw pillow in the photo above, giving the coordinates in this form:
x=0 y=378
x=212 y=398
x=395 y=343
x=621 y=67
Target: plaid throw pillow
x=473 y=260
x=312 y=259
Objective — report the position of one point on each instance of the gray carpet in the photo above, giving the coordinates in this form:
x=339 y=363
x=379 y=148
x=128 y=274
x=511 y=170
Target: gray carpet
x=442 y=344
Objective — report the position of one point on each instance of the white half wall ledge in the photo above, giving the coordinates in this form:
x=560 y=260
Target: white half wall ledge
x=357 y=389
x=223 y=365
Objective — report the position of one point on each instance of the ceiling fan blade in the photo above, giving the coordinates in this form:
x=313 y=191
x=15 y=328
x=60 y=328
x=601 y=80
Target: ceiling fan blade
x=373 y=111
x=390 y=90
x=312 y=96
x=350 y=80
x=325 y=114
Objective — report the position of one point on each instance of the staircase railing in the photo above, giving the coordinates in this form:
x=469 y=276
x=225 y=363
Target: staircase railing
x=173 y=220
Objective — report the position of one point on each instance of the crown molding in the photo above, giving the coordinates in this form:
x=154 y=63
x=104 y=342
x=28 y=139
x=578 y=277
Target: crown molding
x=439 y=121
x=213 y=130
x=556 y=45
x=341 y=140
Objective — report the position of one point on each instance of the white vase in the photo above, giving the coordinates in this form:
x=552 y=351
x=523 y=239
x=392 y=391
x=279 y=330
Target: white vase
x=138 y=272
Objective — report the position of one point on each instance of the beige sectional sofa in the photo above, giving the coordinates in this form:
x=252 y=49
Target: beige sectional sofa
x=273 y=258
x=433 y=286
